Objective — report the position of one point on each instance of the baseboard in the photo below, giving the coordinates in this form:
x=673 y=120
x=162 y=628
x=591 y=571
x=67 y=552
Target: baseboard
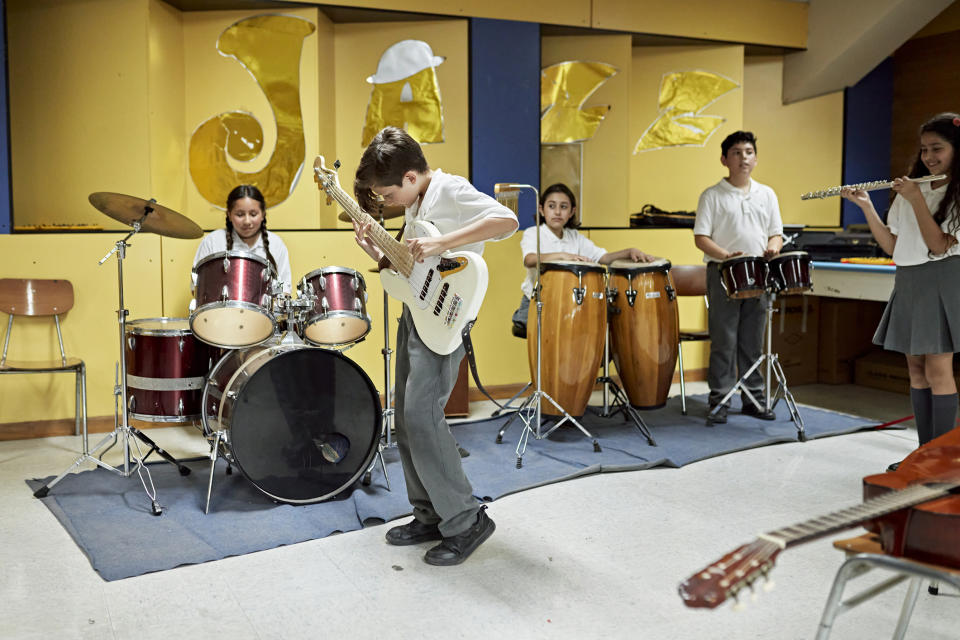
x=103 y=424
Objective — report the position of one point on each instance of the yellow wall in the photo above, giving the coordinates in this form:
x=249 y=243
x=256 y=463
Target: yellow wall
x=673 y=178
x=168 y=140
x=605 y=175
x=358 y=50
x=218 y=83
x=90 y=329
x=67 y=138
x=800 y=144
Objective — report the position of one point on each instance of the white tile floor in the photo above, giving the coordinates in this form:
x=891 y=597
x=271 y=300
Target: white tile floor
x=595 y=557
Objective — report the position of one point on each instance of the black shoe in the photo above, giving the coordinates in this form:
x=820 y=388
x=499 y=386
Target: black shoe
x=894 y=466
x=455 y=549
x=519 y=330
x=749 y=409
x=414 y=532
x=720 y=417
x=463 y=452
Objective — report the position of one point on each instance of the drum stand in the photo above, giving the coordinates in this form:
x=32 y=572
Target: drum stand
x=388 y=411
x=122 y=428
x=620 y=401
x=529 y=410
x=773 y=368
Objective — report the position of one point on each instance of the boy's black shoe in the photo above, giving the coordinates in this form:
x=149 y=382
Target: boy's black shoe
x=414 y=532
x=720 y=417
x=519 y=330
x=455 y=549
x=749 y=409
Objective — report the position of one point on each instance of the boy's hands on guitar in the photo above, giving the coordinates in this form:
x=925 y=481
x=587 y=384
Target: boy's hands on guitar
x=425 y=247
x=361 y=230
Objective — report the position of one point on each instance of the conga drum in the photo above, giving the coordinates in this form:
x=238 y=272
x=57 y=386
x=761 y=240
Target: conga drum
x=574 y=319
x=644 y=327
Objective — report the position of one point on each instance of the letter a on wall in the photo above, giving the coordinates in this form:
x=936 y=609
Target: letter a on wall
x=269 y=48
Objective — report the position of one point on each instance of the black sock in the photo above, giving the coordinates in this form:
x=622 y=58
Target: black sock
x=944 y=414
x=922 y=402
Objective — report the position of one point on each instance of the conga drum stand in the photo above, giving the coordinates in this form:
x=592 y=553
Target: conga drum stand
x=620 y=401
x=529 y=410
x=134 y=212
x=771 y=361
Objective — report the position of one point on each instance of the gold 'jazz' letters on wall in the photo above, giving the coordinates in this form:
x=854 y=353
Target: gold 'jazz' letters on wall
x=269 y=48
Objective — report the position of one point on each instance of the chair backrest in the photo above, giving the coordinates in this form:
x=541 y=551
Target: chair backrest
x=690 y=279
x=33 y=297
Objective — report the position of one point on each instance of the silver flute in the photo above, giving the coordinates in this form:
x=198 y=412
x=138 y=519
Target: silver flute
x=866 y=186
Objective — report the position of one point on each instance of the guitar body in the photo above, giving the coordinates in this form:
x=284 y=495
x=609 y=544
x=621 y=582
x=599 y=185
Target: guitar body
x=443 y=292
x=927 y=532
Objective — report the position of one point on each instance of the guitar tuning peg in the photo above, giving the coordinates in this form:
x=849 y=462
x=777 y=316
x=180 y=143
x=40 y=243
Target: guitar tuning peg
x=739 y=606
x=769 y=585
x=336 y=163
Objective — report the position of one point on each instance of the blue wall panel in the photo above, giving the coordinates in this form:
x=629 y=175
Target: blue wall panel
x=6 y=220
x=868 y=121
x=505 y=107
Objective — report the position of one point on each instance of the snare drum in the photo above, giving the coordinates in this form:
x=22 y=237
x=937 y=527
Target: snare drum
x=743 y=276
x=301 y=423
x=644 y=327
x=166 y=369
x=339 y=314
x=234 y=302
x=574 y=320
x=789 y=273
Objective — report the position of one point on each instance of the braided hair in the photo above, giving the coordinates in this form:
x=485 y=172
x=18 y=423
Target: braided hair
x=947 y=126
x=250 y=191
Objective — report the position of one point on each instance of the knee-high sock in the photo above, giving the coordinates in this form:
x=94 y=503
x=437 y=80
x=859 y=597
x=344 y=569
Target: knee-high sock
x=922 y=402
x=944 y=413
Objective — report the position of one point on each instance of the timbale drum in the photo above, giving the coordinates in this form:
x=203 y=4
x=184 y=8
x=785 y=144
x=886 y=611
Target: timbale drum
x=166 y=369
x=574 y=321
x=234 y=301
x=301 y=423
x=644 y=328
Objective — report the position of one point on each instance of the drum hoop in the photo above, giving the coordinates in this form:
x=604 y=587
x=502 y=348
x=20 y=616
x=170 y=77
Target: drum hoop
x=797 y=254
x=344 y=270
x=233 y=253
x=279 y=352
x=739 y=259
x=572 y=267
x=131 y=328
x=234 y=304
x=149 y=418
x=642 y=267
x=337 y=314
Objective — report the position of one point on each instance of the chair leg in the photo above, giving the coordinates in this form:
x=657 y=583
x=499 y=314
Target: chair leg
x=683 y=388
x=907 y=610
x=83 y=397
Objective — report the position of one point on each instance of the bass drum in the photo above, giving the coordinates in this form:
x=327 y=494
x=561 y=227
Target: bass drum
x=302 y=424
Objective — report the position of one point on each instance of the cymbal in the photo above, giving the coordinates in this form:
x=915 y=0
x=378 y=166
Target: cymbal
x=388 y=212
x=162 y=221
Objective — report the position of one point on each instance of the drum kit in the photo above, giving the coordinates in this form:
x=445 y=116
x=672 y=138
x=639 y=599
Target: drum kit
x=744 y=277
x=261 y=373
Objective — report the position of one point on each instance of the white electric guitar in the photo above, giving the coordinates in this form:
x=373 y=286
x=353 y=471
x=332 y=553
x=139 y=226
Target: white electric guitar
x=443 y=292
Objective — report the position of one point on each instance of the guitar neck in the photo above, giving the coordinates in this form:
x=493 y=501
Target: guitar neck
x=852 y=516
x=396 y=251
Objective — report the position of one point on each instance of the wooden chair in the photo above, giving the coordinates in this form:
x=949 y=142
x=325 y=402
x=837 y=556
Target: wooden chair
x=689 y=280
x=30 y=298
x=865 y=554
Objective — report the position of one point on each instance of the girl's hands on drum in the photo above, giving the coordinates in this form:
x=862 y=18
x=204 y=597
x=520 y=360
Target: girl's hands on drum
x=360 y=230
x=639 y=256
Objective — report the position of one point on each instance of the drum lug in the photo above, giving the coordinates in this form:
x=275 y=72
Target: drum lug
x=192 y=306
x=266 y=301
x=232 y=395
x=671 y=292
x=132 y=342
x=578 y=293
x=180 y=407
x=132 y=403
x=355 y=282
x=224 y=293
x=226 y=264
x=180 y=344
x=631 y=294
x=265 y=275
x=357 y=305
x=324 y=304
x=323 y=282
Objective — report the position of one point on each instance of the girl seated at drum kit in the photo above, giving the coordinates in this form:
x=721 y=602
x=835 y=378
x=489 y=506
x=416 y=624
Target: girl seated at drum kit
x=559 y=241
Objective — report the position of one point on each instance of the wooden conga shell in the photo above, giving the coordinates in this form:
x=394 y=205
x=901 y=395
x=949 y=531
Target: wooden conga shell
x=572 y=343
x=644 y=335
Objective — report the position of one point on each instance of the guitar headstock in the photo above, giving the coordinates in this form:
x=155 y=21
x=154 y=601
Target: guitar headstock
x=724 y=579
x=326 y=178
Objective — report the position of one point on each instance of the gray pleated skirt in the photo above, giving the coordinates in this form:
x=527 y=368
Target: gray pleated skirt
x=923 y=313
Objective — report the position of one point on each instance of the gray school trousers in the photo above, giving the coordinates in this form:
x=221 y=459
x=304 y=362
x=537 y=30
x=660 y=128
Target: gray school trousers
x=437 y=487
x=736 y=338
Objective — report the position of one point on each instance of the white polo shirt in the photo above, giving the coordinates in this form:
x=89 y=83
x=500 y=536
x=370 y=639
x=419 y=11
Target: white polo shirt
x=738 y=220
x=572 y=242
x=451 y=203
x=216 y=242
x=910 y=249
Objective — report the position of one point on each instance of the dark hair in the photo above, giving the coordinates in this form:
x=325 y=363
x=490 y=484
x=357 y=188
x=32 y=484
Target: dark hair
x=735 y=138
x=947 y=126
x=250 y=191
x=559 y=187
x=390 y=154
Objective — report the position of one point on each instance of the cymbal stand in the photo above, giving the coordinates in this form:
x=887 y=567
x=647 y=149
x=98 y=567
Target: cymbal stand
x=773 y=369
x=621 y=403
x=122 y=428
x=529 y=410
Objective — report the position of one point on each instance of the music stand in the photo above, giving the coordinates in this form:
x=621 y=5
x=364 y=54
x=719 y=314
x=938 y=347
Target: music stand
x=508 y=194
